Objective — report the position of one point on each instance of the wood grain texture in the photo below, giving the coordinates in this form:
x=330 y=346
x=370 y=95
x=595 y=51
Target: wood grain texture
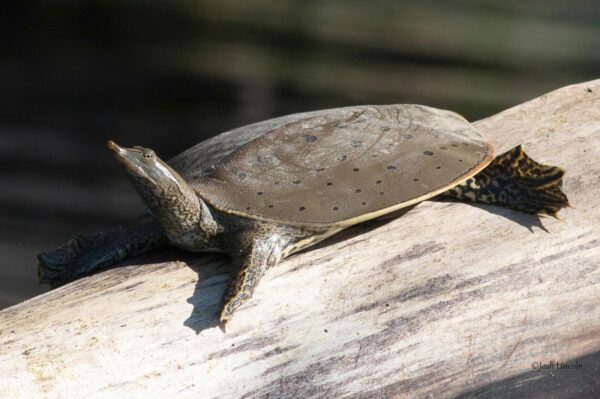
x=447 y=300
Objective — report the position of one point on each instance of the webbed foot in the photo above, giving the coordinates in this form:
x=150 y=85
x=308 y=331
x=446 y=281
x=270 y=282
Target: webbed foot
x=85 y=254
x=516 y=181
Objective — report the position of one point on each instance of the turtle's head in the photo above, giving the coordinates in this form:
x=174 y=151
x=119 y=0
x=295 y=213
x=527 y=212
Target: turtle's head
x=168 y=196
x=147 y=171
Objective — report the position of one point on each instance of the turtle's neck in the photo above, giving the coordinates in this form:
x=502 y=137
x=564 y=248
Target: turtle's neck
x=187 y=219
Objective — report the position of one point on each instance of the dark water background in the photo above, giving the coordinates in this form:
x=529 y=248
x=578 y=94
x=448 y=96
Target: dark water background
x=168 y=74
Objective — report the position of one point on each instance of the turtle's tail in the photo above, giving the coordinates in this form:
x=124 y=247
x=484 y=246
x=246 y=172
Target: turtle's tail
x=85 y=254
x=516 y=181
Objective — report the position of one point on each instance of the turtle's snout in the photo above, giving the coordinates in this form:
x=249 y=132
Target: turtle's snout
x=117 y=150
x=112 y=146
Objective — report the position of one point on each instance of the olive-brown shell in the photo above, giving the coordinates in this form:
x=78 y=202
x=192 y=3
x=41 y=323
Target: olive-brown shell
x=345 y=165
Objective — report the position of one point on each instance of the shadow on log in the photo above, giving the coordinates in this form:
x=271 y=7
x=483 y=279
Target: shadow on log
x=207 y=308
x=450 y=299
x=574 y=378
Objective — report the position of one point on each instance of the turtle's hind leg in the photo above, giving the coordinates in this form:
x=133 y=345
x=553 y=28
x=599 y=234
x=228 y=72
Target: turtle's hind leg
x=516 y=181
x=85 y=254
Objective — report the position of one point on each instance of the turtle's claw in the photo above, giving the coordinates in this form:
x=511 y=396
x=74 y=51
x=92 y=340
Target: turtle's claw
x=223 y=325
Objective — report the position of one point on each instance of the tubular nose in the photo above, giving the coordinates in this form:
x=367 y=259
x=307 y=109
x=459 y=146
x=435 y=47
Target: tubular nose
x=112 y=145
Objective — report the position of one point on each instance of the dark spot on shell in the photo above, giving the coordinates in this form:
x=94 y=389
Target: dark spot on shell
x=385 y=129
x=248 y=208
x=364 y=203
x=340 y=125
x=342 y=158
x=325 y=330
x=378 y=182
x=428 y=153
x=335 y=208
x=381 y=193
x=357 y=190
x=310 y=138
x=296 y=182
x=259 y=193
x=329 y=183
x=375 y=155
x=320 y=169
x=276 y=182
x=355 y=170
x=270 y=206
x=242 y=175
x=356 y=143
x=438 y=167
x=408 y=136
x=415 y=179
x=460 y=160
x=391 y=167
x=454 y=145
x=443 y=148
x=301 y=208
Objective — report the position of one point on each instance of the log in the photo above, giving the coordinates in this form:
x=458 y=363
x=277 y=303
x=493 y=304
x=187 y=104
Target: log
x=451 y=299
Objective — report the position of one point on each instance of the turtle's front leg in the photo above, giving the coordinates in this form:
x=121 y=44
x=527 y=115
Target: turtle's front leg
x=247 y=269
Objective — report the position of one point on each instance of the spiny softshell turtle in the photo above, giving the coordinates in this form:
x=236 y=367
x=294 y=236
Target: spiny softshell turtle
x=299 y=179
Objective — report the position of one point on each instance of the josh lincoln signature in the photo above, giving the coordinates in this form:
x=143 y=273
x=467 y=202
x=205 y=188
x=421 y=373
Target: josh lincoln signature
x=556 y=365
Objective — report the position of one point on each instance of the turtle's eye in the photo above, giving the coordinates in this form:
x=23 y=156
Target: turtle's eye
x=148 y=155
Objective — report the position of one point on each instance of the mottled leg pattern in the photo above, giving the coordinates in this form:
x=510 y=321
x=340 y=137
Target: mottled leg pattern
x=516 y=181
x=85 y=254
x=247 y=270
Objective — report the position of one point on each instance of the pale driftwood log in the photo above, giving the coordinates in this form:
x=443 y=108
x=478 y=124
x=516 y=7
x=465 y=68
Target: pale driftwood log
x=449 y=299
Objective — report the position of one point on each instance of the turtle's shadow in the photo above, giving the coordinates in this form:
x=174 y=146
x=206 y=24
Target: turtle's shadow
x=213 y=276
x=207 y=298
x=526 y=220
x=212 y=271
